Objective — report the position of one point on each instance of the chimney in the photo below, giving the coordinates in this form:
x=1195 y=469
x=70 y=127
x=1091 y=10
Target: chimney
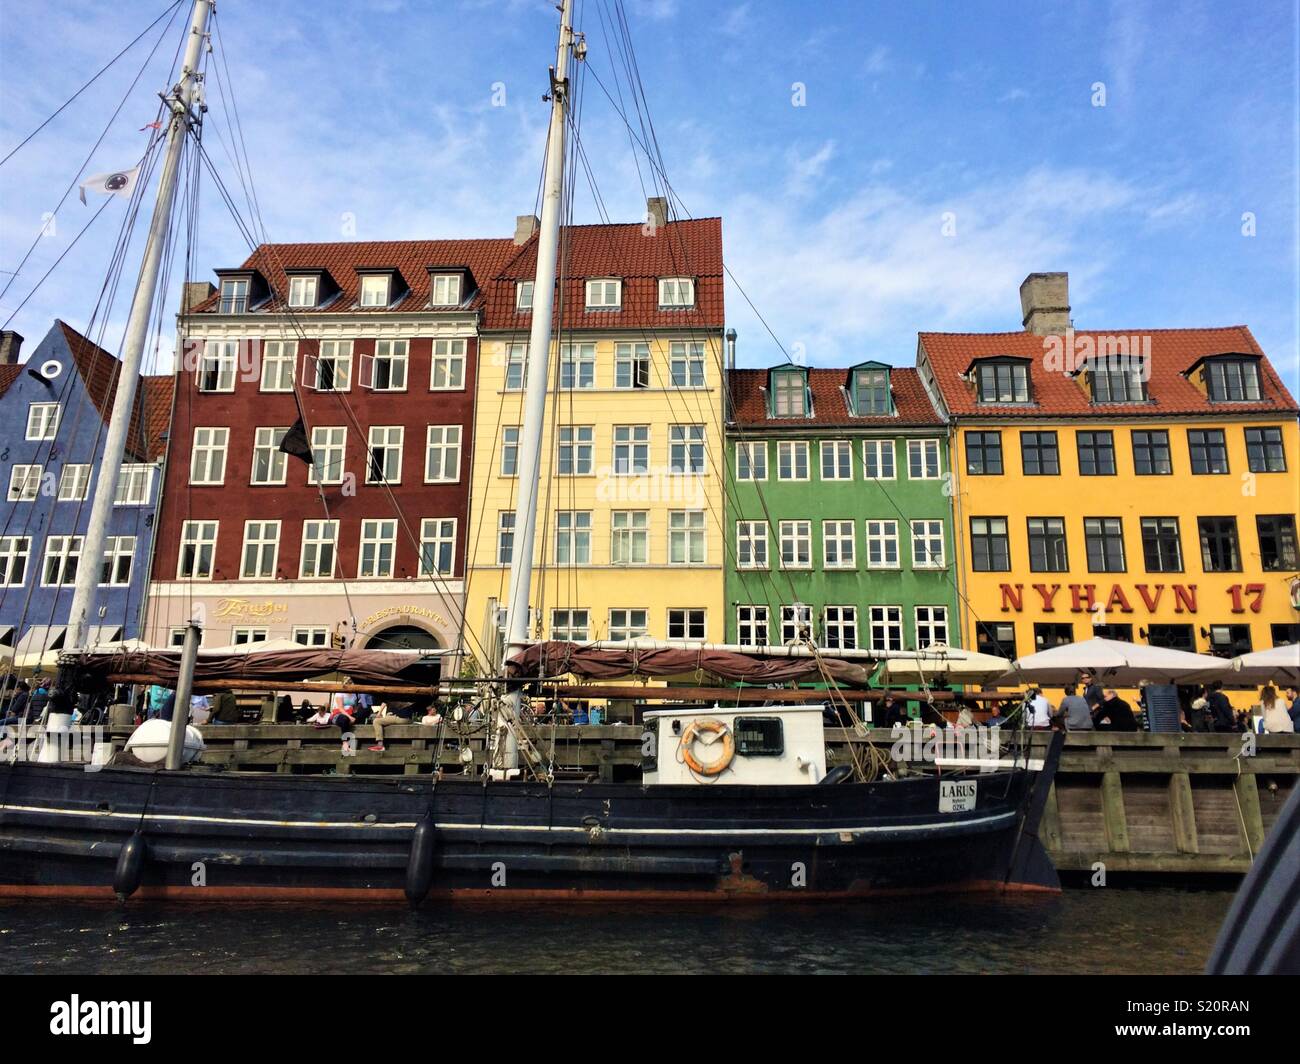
x=525 y=226
x=195 y=292
x=731 y=349
x=1045 y=302
x=10 y=344
x=656 y=211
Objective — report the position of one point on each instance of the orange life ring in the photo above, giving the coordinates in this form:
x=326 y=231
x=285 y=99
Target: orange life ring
x=693 y=731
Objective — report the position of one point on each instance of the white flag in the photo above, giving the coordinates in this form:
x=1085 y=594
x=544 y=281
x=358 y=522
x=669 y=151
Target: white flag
x=115 y=183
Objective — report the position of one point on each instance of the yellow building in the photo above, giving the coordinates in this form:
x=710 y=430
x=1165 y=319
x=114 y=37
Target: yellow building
x=630 y=537
x=1139 y=486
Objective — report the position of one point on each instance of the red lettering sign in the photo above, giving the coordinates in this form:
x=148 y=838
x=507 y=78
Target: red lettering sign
x=1047 y=596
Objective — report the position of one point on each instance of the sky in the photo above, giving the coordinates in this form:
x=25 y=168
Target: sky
x=880 y=168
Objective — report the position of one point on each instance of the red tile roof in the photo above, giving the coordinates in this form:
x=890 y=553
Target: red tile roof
x=1056 y=394
x=830 y=405
x=9 y=374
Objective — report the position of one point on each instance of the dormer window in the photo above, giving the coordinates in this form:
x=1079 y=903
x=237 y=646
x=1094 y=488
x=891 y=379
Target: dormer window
x=1119 y=381
x=789 y=394
x=444 y=290
x=869 y=391
x=375 y=290
x=1002 y=382
x=523 y=296
x=605 y=294
x=676 y=293
x=1232 y=380
x=304 y=291
x=234 y=296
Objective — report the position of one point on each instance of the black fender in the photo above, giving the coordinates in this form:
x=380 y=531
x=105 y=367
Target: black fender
x=130 y=866
x=419 y=865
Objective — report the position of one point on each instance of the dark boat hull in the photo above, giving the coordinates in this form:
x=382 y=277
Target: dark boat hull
x=232 y=836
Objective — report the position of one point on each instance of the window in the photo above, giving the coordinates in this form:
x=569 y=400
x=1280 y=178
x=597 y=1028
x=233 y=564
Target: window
x=629 y=537
x=686 y=544
x=42 y=421
x=1096 y=454
x=1151 y=453
x=686 y=624
x=1209 y=451
x=1230 y=640
x=1047 y=548
x=871 y=392
x=176 y=637
x=882 y=545
x=1285 y=635
x=1103 y=539
x=516 y=367
x=923 y=459
x=510 y=451
x=839 y=545
x=448 y=369
x=628 y=624
x=319 y=540
x=792 y=460
x=837 y=460
x=1219 y=552
x=1003 y=382
x=328 y=444
x=437 y=546
x=388 y=369
x=676 y=292
x=234 y=297
x=571 y=626
x=1277 y=542
x=1039 y=456
x=927 y=545
x=384 y=447
x=990 y=548
x=604 y=294
x=931 y=626
x=789 y=395
x=14 y=553
x=840 y=628
x=759 y=736
x=239 y=636
x=751 y=461
x=1264 y=453
x=686 y=361
x=523 y=295
x=1172 y=637
x=878 y=459
x=577 y=366
x=751 y=544
x=442 y=454
x=378 y=543
x=1162 y=550
x=268 y=460
x=217 y=366
x=984 y=453
x=796 y=544
x=198 y=548
x=261 y=550
x=1118 y=380
x=686 y=449
x=573 y=537
x=576 y=450
x=74 y=483
x=751 y=626
x=279 y=358
x=444 y=290
x=505 y=537
x=631 y=450
x=1047 y=636
x=1232 y=380
x=208 y=456
x=374 y=290
x=311 y=636
x=631 y=365
x=302 y=291
x=333 y=366
x=796 y=623
x=886 y=627
x=996 y=639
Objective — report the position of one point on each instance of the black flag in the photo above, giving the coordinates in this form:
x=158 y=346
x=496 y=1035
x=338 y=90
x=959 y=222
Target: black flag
x=295 y=442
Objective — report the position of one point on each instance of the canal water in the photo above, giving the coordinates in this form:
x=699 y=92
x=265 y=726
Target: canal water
x=1153 y=930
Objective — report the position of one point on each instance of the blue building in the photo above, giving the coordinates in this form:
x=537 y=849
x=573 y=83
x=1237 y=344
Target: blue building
x=54 y=409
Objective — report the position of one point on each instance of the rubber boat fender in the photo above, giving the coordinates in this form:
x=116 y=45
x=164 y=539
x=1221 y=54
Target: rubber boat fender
x=838 y=774
x=130 y=866
x=419 y=865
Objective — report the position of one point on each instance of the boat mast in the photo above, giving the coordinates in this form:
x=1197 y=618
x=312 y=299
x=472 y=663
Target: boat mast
x=137 y=329
x=530 y=437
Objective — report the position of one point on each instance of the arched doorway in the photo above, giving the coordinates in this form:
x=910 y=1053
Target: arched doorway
x=403 y=637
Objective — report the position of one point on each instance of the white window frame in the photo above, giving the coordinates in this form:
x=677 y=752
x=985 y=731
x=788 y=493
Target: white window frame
x=43 y=421
x=242 y=634
x=687 y=366
x=796 y=533
x=633 y=361
x=577 y=367
x=929 y=619
x=634 y=439
x=927 y=448
x=318 y=533
x=687 y=531
x=437 y=534
x=580 y=443
x=749 y=470
x=376 y=290
x=879 y=453
x=118 y=549
x=627 y=628
x=925 y=533
x=391 y=439
x=310 y=635
x=507 y=526
x=74 y=482
x=509 y=466
x=266 y=444
x=445 y=441
x=377 y=534
x=676 y=293
x=233 y=298
x=687 y=450
x=840 y=627
x=25 y=482
x=794 y=448
x=571 y=625
x=397 y=353
x=572 y=537
x=628 y=530
x=689 y=619
x=840 y=538
x=451 y=284
x=198 y=535
x=885 y=533
x=516 y=378
x=337 y=354
x=751 y=545
x=260 y=544
x=788 y=386
x=303 y=290
x=328 y=440
x=222 y=358
x=885 y=620
x=449 y=358
x=749 y=618
x=524 y=296
x=841 y=455
x=793 y=617
x=15 y=550
x=65 y=552
x=212 y=449
x=278 y=356
x=605 y=296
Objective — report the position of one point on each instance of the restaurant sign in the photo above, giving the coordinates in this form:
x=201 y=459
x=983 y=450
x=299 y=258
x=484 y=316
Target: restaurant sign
x=1084 y=598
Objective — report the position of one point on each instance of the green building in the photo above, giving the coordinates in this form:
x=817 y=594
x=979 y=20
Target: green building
x=838 y=509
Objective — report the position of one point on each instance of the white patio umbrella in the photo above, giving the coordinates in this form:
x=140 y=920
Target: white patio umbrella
x=940 y=664
x=1114 y=662
x=1280 y=665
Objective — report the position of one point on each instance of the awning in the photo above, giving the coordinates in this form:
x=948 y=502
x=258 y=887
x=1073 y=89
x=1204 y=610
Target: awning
x=6 y=635
x=1115 y=662
x=103 y=633
x=1280 y=665
x=40 y=638
x=959 y=666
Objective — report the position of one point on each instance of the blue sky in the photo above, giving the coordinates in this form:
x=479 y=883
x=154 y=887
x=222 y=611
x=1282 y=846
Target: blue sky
x=978 y=114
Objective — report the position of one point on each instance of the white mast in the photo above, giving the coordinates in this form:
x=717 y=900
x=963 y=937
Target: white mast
x=137 y=329
x=539 y=347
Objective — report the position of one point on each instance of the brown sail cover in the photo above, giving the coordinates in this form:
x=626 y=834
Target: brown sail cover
x=286 y=666
x=571 y=659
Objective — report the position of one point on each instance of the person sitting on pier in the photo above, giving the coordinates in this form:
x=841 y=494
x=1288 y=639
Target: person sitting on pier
x=19 y=706
x=319 y=719
x=227 y=711
x=1040 y=708
x=1276 y=718
x=398 y=713
x=1114 y=714
x=1219 y=709
x=1074 y=712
